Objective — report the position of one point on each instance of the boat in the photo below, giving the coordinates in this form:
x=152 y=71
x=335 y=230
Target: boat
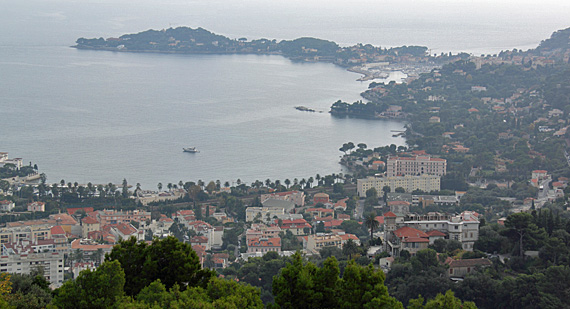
x=190 y=149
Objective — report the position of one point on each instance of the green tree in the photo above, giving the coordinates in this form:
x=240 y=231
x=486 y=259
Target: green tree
x=349 y=248
x=168 y=259
x=519 y=223
x=371 y=223
x=101 y=288
x=303 y=285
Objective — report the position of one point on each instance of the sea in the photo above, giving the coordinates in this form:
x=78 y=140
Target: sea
x=100 y=117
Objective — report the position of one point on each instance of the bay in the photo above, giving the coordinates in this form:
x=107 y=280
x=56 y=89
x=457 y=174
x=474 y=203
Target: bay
x=102 y=116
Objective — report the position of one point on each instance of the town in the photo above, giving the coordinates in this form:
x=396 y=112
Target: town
x=475 y=203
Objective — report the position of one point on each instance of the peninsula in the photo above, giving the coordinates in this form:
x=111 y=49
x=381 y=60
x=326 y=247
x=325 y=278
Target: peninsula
x=371 y=61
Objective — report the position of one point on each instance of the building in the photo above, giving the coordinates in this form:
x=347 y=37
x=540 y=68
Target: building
x=320 y=198
x=262 y=231
x=264 y=245
x=406 y=238
x=31 y=233
x=37 y=206
x=463 y=227
x=539 y=174
x=401 y=207
x=409 y=183
x=115 y=217
x=91 y=248
x=316 y=242
x=89 y=224
x=22 y=259
x=461 y=268
x=416 y=165
x=297 y=197
x=297 y=226
x=319 y=212
x=7 y=205
x=263 y=214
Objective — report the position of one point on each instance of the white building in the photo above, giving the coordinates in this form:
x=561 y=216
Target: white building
x=7 y=205
x=22 y=259
x=423 y=182
x=417 y=165
x=463 y=227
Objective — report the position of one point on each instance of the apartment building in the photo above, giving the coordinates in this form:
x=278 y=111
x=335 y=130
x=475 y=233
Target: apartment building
x=21 y=258
x=416 y=165
x=423 y=182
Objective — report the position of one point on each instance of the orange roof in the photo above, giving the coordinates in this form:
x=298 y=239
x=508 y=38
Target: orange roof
x=269 y=242
x=390 y=214
x=64 y=219
x=433 y=233
x=334 y=222
x=540 y=171
x=407 y=232
x=126 y=229
x=348 y=236
x=72 y=211
x=57 y=230
x=380 y=219
x=89 y=220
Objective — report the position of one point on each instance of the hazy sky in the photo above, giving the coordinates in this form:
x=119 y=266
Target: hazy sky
x=440 y=24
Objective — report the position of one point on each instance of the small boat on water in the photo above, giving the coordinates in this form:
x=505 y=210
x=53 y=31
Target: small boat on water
x=190 y=149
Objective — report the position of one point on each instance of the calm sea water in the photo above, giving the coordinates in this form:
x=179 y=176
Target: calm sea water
x=102 y=116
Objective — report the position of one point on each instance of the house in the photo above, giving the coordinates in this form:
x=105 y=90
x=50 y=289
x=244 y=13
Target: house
x=264 y=245
x=89 y=224
x=433 y=235
x=7 y=205
x=539 y=174
x=320 y=198
x=461 y=268
x=37 y=206
x=296 y=226
x=200 y=241
x=126 y=231
x=340 y=205
x=67 y=222
x=316 y=242
x=406 y=238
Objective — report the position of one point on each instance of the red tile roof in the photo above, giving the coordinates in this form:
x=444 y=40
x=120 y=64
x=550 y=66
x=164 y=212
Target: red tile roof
x=390 y=214
x=408 y=232
x=89 y=220
x=265 y=242
x=57 y=230
x=433 y=233
x=72 y=211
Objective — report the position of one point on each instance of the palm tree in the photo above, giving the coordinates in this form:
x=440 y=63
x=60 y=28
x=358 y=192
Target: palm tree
x=159 y=186
x=310 y=181
x=267 y=182
x=302 y=182
x=227 y=184
x=349 y=248
x=287 y=182
x=169 y=186
x=371 y=223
